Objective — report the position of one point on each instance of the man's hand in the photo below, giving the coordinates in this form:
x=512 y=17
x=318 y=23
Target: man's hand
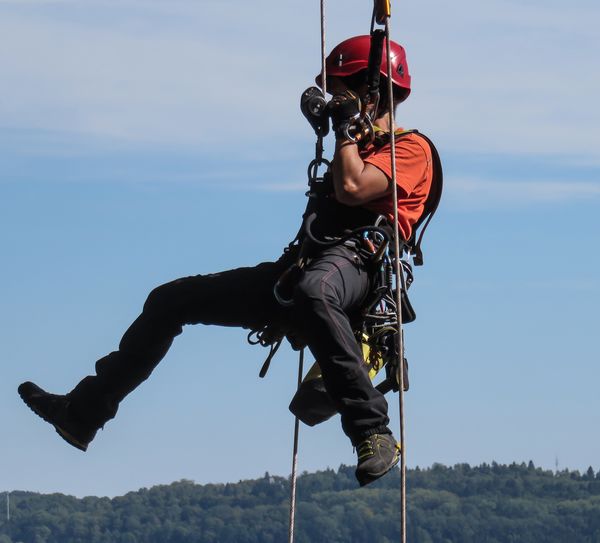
x=343 y=109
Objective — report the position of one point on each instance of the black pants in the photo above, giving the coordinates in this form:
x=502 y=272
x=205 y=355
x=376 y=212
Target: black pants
x=327 y=297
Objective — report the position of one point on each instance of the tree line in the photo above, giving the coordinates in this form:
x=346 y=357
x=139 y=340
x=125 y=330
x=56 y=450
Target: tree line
x=490 y=503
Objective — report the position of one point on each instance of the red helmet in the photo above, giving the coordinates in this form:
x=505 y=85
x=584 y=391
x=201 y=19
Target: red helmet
x=352 y=56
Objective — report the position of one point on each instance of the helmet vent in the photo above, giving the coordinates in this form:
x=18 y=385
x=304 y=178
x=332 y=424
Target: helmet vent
x=400 y=70
x=340 y=60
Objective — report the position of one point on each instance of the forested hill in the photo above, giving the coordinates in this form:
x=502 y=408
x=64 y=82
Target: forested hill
x=460 y=504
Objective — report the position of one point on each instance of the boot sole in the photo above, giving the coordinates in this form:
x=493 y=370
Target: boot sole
x=71 y=440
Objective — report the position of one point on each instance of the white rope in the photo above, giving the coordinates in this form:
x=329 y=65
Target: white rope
x=295 y=457
x=398 y=271
x=323 y=50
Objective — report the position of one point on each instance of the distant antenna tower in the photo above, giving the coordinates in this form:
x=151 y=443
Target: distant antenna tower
x=556 y=463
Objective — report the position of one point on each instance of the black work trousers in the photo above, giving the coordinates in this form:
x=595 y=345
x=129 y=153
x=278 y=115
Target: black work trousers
x=327 y=297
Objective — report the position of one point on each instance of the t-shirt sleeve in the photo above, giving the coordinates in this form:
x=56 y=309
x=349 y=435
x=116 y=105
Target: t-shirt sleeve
x=411 y=163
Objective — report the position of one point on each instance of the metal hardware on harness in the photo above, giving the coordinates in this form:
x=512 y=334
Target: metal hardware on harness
x=352 y=234
x=268 y=336
x=312 y=106
x=382 y=11
x=359 y=130
x=382 y=321
x=318 y=185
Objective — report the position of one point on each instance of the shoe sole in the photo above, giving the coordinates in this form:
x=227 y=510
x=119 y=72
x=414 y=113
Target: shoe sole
x=370 y=477
x=60 y=431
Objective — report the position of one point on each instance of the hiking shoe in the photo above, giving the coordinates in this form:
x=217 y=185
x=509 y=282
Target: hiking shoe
x=54 y=408
x=377 y=454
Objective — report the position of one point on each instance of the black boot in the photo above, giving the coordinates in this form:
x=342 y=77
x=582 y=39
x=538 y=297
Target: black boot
x=377 y=454
x=55 y=409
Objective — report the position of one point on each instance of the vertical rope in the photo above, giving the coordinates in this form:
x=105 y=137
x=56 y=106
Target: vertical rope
x=301 y=356
x=398 y=271
x=295 y=457
x=323 y=50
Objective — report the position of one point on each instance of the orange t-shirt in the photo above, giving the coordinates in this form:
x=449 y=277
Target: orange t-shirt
x=414 y=172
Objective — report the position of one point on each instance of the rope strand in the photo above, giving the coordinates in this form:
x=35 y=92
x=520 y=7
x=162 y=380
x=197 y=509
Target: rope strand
x=398 y=271
x=323 y=50
x=301 y=356
x=295 y=457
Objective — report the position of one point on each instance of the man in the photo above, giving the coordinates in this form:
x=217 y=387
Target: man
x=327 y=295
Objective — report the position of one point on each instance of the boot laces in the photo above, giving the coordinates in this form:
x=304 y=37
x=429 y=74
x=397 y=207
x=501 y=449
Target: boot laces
x=365 y=448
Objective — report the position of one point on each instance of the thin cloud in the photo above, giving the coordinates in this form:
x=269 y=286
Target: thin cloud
x=162 y=72
x=476 y=192
x=178 y=85
x=472 y=191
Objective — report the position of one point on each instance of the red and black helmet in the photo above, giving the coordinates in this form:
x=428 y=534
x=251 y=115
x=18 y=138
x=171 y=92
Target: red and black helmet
x=352 y=55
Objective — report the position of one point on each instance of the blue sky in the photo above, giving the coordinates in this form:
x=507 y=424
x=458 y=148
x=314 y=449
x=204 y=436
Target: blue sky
x=143 y=141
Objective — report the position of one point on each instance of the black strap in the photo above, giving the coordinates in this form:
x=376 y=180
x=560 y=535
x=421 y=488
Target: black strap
x=433 y=198
x=374 y=65
x=431 y=204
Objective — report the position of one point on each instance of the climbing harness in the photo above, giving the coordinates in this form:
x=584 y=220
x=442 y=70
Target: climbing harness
x=388 y=307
